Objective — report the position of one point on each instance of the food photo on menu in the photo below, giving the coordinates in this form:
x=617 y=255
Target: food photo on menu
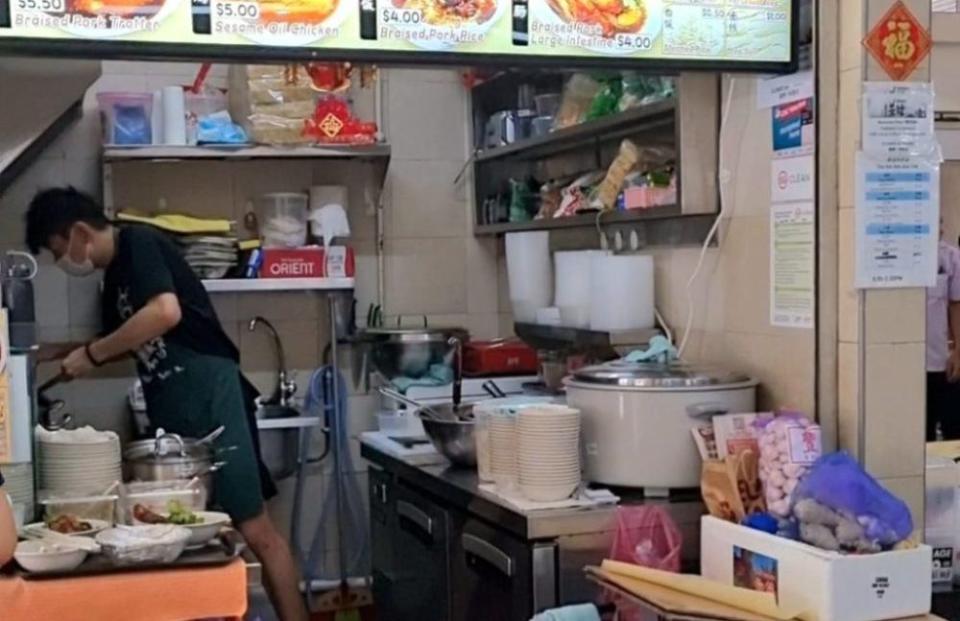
x=278 y=22
x=92 y=18
x=437 y=24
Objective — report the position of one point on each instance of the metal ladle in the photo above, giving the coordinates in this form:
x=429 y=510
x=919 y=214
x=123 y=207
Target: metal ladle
x=422 y=408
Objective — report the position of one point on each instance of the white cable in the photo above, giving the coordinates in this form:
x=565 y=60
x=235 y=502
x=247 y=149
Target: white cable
x=723 y=177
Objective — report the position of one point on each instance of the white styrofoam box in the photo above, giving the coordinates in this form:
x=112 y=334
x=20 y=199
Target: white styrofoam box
x=826 y=586
x=941 y=517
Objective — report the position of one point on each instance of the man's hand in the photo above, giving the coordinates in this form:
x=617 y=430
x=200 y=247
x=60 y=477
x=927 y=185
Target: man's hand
x=953 y=366
x=77 y=363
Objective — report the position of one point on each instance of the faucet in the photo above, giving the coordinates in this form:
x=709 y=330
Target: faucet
x=286 y=387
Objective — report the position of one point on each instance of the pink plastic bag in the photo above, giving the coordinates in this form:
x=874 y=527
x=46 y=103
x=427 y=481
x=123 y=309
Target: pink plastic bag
x=647 y=536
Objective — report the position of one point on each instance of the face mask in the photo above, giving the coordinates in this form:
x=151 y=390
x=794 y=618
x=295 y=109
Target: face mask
x=74 y=268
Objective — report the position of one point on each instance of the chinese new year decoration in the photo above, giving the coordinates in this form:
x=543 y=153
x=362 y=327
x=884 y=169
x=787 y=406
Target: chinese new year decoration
x=899 y=42
x=334 y=123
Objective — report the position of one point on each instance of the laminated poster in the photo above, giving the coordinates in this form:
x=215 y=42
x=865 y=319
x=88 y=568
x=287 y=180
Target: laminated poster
x=898 y=120
x=897 y=222
x=792 y=261
x=709 y=30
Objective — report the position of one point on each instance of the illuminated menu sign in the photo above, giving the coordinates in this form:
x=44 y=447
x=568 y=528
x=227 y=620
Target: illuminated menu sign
x=677 y=33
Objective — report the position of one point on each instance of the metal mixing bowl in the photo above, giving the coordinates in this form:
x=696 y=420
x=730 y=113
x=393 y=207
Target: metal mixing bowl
x=410 y=352
x=453 y=434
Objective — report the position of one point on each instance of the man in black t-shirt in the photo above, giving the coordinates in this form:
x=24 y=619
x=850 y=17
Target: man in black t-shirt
x=156 y=309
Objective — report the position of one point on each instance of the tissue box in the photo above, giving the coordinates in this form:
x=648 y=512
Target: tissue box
x=826 y=586
x=311 y=262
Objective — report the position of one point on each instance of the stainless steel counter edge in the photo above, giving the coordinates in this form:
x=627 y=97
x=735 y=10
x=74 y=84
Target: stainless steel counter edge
x=460 y=488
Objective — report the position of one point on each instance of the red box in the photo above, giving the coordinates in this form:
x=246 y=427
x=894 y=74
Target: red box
x=309 y=262
x=499 y=357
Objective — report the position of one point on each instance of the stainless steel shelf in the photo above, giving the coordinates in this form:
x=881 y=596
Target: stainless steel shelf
x=561 y=338
x=243 y=152
x=242 y=285
x=582 y=220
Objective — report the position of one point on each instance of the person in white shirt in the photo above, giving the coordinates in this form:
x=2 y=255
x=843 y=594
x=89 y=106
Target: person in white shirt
x=943 y=361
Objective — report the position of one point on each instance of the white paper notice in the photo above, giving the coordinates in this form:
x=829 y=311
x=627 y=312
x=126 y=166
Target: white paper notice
x=792 y=261
x=898 y=120
x=897 y=222
x=784 y=89
x=792 y=179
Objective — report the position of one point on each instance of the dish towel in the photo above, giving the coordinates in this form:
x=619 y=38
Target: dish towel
x=660 y=350
x=583 y=612
x=438 y=375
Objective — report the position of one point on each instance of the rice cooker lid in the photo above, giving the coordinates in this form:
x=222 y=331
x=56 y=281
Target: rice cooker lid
x=657 y=375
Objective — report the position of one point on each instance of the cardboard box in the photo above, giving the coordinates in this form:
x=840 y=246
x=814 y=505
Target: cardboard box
x=827 y=585
x=311 y=262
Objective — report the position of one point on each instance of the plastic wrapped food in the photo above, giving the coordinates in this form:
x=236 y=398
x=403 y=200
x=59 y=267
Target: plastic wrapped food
x=839 y=506
x=578 y=95
x=789 y=445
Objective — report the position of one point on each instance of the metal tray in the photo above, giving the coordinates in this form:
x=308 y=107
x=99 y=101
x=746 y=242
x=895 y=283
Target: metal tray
x=228 y=546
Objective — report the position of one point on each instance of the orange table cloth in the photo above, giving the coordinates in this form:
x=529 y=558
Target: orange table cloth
x=165 y=595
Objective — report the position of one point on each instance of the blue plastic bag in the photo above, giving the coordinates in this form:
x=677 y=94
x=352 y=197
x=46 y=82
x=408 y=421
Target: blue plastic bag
x=838 y=482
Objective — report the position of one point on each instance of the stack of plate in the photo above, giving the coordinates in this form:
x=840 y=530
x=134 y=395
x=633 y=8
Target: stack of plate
x=78 y=461
x=18 y=482
x=548 y=452
x=209 y=256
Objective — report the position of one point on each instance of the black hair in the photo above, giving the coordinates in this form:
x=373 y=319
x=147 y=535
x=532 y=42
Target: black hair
x=55 y=210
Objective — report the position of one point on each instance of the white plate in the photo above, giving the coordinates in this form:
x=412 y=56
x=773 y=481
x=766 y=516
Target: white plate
x=543 y=12
x=40 y=528
x=99 y=33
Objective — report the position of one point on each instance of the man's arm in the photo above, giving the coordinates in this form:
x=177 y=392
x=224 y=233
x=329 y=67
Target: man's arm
x=158 y=316
x=8 y=530
x=953 y=363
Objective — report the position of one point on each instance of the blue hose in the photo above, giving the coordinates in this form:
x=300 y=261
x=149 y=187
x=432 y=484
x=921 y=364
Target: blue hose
x=352 y=525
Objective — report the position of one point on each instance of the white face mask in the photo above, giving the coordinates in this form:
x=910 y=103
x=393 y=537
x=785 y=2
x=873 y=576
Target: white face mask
x=73 y=268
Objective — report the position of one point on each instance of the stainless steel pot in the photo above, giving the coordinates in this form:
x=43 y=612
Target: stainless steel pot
x=410 y=352
x=172 y=458
x=452 y=431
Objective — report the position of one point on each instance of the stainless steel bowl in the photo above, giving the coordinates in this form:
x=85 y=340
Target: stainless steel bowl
x=410 y=352
x=453 y=434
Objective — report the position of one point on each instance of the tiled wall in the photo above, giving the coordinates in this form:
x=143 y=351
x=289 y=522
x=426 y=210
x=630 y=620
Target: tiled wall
x=433 y=265
x=881 y=335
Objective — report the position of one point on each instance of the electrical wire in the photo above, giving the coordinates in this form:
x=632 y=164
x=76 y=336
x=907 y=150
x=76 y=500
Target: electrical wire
x=723 y=177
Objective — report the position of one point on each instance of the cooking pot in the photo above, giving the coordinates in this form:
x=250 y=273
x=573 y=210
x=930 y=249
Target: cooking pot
x=170 y=457
x=637 y=419
x=411 y=352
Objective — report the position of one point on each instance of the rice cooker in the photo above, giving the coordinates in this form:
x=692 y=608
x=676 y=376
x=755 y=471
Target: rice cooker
x=637 y=419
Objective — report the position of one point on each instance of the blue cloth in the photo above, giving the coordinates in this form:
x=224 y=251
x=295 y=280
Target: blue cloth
x=438 y=375
x=660 y=349
x=583 y=612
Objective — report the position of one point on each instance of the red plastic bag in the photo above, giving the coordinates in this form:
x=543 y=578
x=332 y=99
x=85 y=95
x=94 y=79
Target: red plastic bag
x=647 y=536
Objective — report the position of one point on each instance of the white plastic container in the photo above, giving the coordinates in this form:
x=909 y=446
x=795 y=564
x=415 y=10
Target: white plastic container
x=200 y=105
x=530 y=273
x=621 y=292
x=826 y=586
x=571 y=273
x=283 y=219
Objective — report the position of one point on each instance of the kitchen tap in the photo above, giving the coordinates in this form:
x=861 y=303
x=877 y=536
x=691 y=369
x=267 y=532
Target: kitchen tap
x=286 y=387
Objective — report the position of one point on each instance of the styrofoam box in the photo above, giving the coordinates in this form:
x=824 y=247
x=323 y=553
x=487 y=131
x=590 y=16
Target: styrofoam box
x=827 y=586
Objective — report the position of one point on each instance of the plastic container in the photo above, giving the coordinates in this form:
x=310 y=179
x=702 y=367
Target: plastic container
x=200 y=105
x=400 y=425
x=541 y=126
x=283 y=219
x=126 y=118
x=96 y=507
x=157 y=495
x=547 y=104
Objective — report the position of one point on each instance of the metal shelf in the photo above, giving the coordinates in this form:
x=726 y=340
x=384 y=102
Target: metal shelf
x=555 y=338
x=241 y=152
x=241 y=285
x=582 y=220
x=589 y=132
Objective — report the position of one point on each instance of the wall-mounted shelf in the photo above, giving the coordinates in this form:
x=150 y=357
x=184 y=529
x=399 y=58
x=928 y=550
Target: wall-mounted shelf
x=586 y=219
x=174 y=152
x=242 y=285
x=652 y=115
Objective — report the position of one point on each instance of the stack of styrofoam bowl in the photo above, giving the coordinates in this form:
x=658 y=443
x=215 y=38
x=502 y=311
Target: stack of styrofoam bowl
x=548 y=452
x=484 y=412
x=18 y=483
x=503 y=452
x=78 y=461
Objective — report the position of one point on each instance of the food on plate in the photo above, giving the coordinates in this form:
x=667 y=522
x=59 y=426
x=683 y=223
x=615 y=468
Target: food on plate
x=121 y=8
x=297 y=11
x=451 y=12
x=613 y=16
x=178 y=513
x=67 y=524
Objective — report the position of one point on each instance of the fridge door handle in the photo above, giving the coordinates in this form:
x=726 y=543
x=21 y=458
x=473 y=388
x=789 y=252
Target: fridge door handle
x=416 y=516
x=490 y=553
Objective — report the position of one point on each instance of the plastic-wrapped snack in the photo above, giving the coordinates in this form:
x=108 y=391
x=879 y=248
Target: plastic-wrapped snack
x=789 y=444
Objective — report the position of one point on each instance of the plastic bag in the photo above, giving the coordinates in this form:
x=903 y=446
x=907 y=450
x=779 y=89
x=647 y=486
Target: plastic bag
x=647 y=536
x=838 y=483
x=789 y=445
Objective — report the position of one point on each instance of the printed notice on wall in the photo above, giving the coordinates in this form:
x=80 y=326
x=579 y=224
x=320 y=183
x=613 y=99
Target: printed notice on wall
x=792 y=254
x=791 y=179
x=897 y=222
x=898 y=120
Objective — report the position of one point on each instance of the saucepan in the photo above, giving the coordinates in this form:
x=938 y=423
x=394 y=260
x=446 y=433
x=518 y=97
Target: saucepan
x=170 y=457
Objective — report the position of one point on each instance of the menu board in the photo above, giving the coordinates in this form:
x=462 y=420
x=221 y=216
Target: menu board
x=676 y=33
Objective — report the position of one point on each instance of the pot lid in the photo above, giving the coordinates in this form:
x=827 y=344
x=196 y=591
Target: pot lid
x=657 y=375
x=416 y=335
